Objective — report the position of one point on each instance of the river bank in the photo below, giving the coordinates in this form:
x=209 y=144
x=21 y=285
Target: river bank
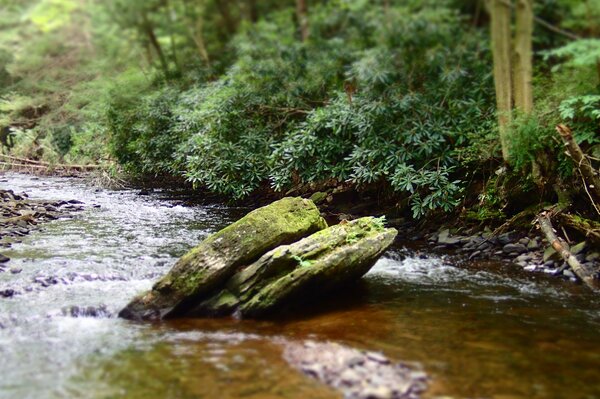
x=524 y=247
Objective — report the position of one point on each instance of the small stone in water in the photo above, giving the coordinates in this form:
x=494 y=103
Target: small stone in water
x=7 y=293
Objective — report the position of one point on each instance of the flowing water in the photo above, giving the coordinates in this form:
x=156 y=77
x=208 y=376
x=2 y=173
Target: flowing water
x=480 y=330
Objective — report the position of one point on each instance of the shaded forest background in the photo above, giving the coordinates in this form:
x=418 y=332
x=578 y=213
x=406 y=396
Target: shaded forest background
x=242 y=97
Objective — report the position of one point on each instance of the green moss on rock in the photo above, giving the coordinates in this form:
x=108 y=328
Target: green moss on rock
x=327 y=258
x=202 y=270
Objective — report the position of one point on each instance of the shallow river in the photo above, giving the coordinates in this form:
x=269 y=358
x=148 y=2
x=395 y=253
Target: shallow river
x=480 y=330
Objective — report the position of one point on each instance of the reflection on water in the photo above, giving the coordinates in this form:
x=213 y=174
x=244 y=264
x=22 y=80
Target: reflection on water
x=481 y=330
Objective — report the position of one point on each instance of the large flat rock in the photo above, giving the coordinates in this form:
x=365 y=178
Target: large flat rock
x=209 y=265
x=309 y=267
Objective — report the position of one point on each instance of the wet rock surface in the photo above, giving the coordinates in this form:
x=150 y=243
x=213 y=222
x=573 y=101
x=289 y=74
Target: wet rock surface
x=357 y=374
x=207 y=266
x=272 y=256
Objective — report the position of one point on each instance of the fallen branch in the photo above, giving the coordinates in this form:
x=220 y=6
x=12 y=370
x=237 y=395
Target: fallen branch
x=526 y=217
x=558 y=245
x=589 y=174
x=21 y=165
x=24 y=162
x=589 y=228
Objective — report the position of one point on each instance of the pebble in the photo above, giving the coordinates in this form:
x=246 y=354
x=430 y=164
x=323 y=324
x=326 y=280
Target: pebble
x=8 y=293
x=514 y=248
x=533 y=244
x=568 y=273
x=507 y=238
x=4 y=259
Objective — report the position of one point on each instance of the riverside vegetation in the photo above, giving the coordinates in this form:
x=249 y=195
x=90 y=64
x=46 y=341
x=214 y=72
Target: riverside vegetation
x=423 y=110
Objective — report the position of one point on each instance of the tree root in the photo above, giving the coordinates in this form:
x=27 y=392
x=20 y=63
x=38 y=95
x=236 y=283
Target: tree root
x=560 y=247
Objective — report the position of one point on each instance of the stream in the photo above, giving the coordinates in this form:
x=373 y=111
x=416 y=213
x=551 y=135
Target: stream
x=479 y=329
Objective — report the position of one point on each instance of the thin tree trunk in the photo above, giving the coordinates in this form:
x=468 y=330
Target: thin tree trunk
x=198 y=38
x=173 y=20
x=149 y=31
x=195 y=26
x=386 y=13
x=500 y=33
x=523 y=56
x=302 y=14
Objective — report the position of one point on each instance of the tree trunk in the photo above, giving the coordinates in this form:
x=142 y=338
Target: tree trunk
x=198 y=38
x=523 y=56
x=386 y=13
x=252 y=11
x=500 y=33
x=149 y=31
x=302 y=15
x=223 y=7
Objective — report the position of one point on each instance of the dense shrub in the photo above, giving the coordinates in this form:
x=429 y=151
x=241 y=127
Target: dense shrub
x=363 y=102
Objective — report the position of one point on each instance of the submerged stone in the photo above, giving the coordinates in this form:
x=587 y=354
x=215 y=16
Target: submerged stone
x=356 y=374
x=209 y=265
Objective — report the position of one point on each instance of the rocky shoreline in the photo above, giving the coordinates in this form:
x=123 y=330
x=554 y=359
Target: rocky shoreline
x=20 y=215
x=531 y=253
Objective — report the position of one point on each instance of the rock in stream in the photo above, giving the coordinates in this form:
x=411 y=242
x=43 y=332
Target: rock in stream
x=273 y=255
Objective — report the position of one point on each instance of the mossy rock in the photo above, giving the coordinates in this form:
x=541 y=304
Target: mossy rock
x=319 y=197
x=311 y=266
x=209 y=265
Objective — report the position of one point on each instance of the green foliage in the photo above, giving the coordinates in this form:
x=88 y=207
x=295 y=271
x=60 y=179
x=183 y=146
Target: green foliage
x=529 y=138
x=280 y=113
x=577 y=54
x=396 y=98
